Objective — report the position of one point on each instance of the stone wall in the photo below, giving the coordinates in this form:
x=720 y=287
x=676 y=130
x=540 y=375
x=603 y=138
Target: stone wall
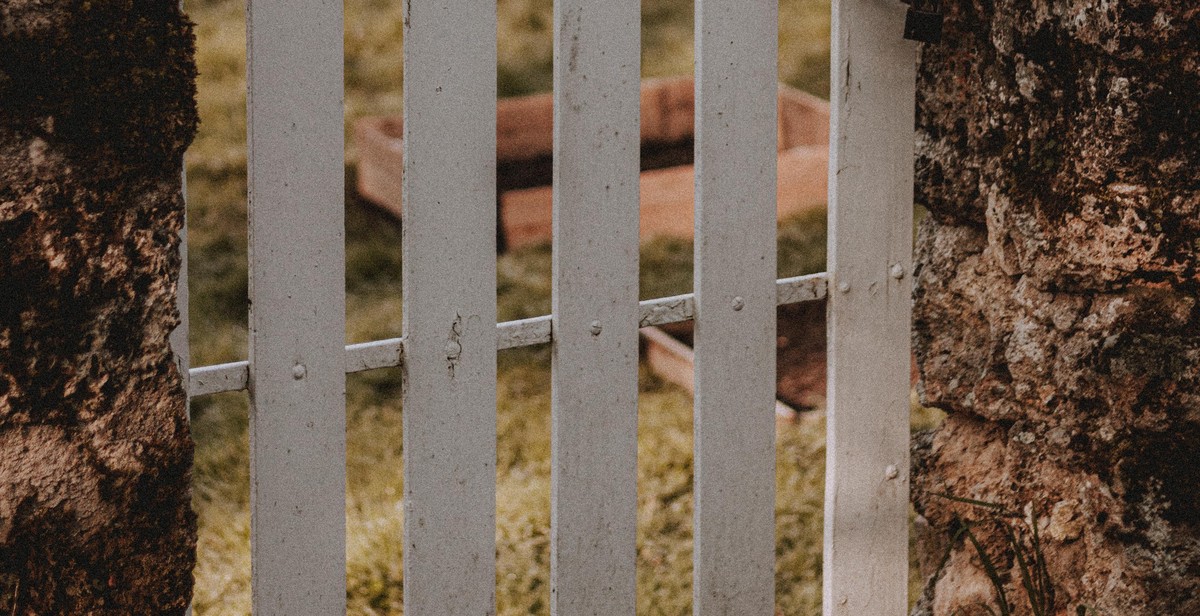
x=96 y=109
x=1056 y=315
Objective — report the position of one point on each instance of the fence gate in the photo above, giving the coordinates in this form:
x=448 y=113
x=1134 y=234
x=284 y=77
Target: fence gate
x=298 y=361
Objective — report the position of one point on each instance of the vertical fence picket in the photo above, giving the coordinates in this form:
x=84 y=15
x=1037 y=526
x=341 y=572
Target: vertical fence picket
x=297 y=307
x=179 y=336
x=735 y=307
x=595 y=307
x=449 y=307
x=297 y=325
x=870 y=252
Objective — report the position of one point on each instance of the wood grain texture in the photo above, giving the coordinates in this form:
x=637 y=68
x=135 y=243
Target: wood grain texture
x=449 y=307
x=736 y=144
x=595 y=307
x=870 y=252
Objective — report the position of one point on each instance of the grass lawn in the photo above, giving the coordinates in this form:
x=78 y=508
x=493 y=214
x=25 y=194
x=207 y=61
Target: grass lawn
x=217 y=237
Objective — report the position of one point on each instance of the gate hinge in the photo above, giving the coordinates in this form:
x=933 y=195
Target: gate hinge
x=923 y=21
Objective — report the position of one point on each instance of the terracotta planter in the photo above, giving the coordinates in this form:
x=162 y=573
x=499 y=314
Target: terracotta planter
x=524 y=131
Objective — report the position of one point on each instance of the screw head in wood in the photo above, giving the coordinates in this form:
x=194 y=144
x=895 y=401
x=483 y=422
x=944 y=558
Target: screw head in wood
x=738 y=303
x=891 y=472
x=897 y=271
x=596 y=328
x=844 y=287
x=298 y=371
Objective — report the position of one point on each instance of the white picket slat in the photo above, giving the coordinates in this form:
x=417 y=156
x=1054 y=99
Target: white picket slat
x=449 y=196
x=870 y=252
x=734 y=553
x=297 y=376
x=298 y=359
x=595 y=307
x=178 y=338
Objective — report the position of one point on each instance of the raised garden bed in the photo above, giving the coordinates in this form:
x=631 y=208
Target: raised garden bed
x=524 y=164
x=524 y=131
x=800 y=357
x=800 y=376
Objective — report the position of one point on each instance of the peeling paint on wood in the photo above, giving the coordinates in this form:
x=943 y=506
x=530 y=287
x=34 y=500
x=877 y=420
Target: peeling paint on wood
x=450 y=334
x=870 y=230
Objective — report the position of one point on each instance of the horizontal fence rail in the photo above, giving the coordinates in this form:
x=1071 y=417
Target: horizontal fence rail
x=389 y=353
x=297 y=362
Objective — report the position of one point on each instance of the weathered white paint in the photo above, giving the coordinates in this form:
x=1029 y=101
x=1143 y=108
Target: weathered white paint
x=597 y=63
x=734 y=553
x=297 y=314
x=667 y=310
x=449 y=227
x=798 y=289
x=870 y=233
x=389 y=353
x=298 y=360
x=218 y=378
x=524 y=332
x=179 y=336
x=364 y=356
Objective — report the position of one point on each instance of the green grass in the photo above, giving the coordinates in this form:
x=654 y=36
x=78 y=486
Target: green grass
x=217 y=243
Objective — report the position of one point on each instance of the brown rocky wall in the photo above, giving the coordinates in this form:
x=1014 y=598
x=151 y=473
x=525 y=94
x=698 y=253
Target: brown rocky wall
x=1056 y=316
x=96 y=109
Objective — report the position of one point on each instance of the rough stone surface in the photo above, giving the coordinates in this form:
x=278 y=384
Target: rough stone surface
x=96 y=109
x=1056 y=316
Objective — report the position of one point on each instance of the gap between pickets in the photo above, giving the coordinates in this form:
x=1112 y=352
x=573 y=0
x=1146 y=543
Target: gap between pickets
x=389 y=353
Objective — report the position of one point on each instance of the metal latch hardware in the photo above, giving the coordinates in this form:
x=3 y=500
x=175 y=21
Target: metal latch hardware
x=923 y=21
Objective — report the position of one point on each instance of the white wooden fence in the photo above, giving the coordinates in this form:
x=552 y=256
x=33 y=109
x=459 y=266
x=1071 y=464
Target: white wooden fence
x=297 y=365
